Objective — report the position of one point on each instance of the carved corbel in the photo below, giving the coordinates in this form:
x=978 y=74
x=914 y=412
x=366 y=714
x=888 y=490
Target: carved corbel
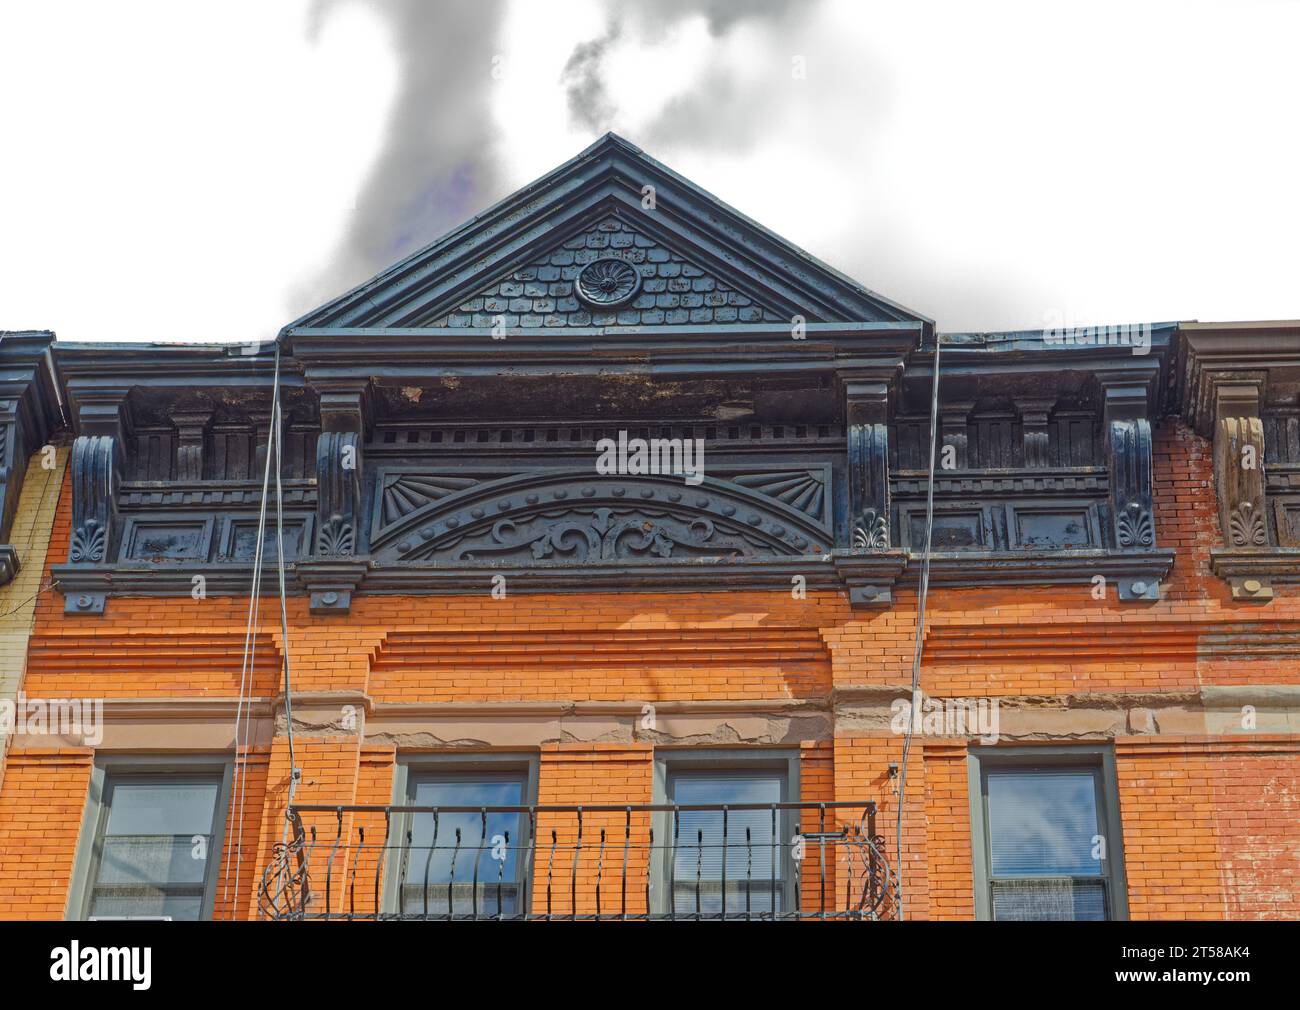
x=96 y=470
x=1128 y=456
x=95 y=476
x=869 y=566
x=866 y=411
x=95 y=467
x=1238 y=462
x=1239 y=475
x=338 y=502
x=335 y=569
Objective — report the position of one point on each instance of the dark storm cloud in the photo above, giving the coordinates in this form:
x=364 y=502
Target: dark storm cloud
x=437 y=164
x=589 y=104
x=584 y=73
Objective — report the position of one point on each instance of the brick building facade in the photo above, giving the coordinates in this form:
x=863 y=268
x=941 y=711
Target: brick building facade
x=522 y=684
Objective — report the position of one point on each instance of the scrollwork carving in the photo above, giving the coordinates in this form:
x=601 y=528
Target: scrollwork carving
x=1135 y=527
x=604 y=534
x=88 y=542
x=336 y=539
x=571 y=516
x=1246 y=527
x=872 y=532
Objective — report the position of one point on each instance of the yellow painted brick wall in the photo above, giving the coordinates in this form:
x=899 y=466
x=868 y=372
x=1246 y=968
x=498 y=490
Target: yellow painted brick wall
x=30 y=535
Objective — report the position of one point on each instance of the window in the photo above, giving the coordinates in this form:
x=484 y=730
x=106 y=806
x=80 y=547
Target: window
x=462 y=859
x=1047 y=839
x=737 y=861
x=155 y=848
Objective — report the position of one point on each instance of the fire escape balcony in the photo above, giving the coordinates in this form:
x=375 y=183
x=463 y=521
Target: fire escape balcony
x=773 y=861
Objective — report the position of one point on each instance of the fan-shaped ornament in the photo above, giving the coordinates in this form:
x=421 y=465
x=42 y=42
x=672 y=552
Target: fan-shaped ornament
x=607 y=283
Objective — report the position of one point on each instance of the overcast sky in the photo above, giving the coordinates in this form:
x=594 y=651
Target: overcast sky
x=179 y=171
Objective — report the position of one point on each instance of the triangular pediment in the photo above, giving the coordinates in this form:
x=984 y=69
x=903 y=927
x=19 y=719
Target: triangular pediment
x=610 y=238
x=611 y=273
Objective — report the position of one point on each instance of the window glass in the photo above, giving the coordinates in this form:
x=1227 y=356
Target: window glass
x=1043 y=844
x=446 y=850
x=153 y=851
x=749 y=855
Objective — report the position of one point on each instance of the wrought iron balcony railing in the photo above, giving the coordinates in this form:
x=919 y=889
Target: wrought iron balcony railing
x=773 y=861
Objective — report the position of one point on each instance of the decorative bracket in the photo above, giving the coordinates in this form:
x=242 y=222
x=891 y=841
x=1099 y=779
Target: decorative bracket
x=866 y=413
x=96 y=468
x=95 y=478
x=870 y=567
x=1239 y=474
x=338 y=460
x=333 y=573
x=1231 y=375
x=1128 y=456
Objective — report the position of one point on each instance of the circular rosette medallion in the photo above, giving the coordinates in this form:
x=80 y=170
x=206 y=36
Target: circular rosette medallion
x=607 y=283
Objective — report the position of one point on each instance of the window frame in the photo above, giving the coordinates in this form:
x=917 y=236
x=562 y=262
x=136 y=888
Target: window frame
x=111 y=768
x=415 y=768
x=669 y=763
x=1100 y=761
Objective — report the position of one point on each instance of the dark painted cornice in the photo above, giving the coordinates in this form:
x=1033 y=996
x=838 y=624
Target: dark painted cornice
x=26 y=374
x=1237 y=383
x=1214 y=354
x=1058 y=567
x=172 y=377
x=30 y=414
x=752 y=350
x=1029 y=363
x=93 y=362
x=636 y=575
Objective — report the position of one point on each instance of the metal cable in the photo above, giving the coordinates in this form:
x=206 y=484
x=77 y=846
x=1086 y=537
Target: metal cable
x=277 y=425
x=250 y=644
x=920 y=624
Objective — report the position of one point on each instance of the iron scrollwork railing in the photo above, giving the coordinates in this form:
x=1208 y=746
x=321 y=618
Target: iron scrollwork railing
x=776 y=861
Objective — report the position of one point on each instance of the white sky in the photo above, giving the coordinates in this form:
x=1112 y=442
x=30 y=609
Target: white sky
x=176 y=171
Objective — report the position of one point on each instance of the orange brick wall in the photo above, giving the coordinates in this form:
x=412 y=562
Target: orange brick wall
x=241 y=869
x=666 y=663
x=41 y=809
x=1210 y=827
x=591 y=774
x=948 y=837
x=862 y=772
